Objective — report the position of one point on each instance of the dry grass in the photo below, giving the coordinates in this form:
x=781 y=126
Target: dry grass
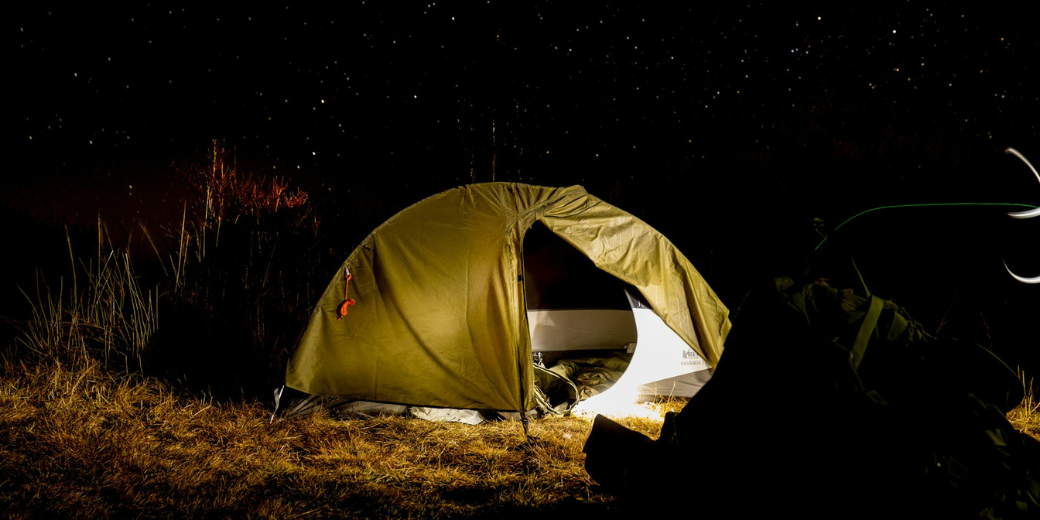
x=103 y=313
x=1026 y=416
x=83 y=444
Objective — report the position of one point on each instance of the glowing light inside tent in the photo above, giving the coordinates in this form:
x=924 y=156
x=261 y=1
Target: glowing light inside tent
x=660 y=353
x=617 y=403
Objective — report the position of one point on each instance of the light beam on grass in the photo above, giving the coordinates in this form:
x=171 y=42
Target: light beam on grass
x=618 y=402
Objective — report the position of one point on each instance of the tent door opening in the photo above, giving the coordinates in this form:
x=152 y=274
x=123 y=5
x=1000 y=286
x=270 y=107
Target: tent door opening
x=597 y=329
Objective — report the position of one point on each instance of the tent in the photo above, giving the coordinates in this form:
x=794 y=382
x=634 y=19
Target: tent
x=445 y=303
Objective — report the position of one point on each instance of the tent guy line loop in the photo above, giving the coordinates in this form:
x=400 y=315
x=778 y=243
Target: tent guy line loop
x=1023 y=215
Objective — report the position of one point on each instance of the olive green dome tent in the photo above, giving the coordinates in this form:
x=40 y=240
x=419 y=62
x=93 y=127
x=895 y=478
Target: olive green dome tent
x=432 y=308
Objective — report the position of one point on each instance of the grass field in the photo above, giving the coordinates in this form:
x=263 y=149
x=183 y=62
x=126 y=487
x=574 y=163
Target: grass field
x=81 y=443
x=78 y=442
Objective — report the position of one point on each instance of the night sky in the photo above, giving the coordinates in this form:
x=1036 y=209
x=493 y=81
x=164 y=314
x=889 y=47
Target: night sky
x=729 y=128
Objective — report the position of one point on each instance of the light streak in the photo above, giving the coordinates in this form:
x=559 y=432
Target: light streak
x=1022 y=215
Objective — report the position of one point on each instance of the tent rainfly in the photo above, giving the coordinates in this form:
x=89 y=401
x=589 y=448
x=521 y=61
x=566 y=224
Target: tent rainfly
x=444 y=304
